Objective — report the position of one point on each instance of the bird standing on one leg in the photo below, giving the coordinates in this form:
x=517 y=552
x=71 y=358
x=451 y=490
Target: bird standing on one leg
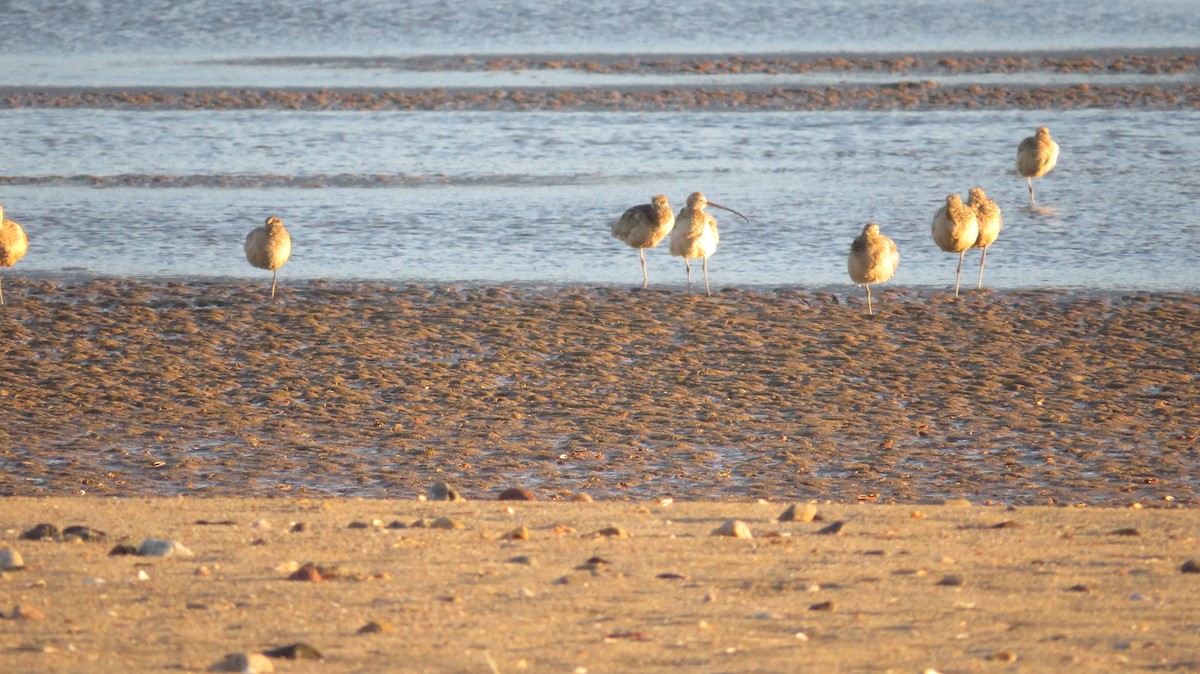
x=13 y=244
x=955 y=229
x=1036 y=155
x=695 y=234
x=268 y=247
x=643 y=226
x=873 y=259
x=987 y=215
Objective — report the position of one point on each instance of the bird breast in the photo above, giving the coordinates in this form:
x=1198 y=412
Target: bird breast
x=13 y=243
x=955 y=228
x=695 y=234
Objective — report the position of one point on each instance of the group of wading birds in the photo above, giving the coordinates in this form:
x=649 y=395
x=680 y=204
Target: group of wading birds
x=957 y=227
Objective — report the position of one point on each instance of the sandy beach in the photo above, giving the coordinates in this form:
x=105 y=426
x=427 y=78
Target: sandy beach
x=137 y=387
x=922 y=588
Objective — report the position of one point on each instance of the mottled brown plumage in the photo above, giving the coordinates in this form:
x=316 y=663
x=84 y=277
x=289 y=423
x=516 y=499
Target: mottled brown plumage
x=269 y=247
x=1036 y=156
x=13 y=244
x=644 y=226
x=987 y=215
x=873 y=259
x=955 y=229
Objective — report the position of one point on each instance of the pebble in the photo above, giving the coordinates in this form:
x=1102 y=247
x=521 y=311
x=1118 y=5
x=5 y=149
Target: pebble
x=296 y=651
x=299 y=527
x=823 y=606
x=525 y=593
x=261 y=524
x=27 y=612
x=246 y=663
x=1128 y=531
x=42 y=532
x=162 y=547
x=307 y=573
x=799 y=512
x=952 y=581
x=612 y=532
x=446 y=523
x=522 y=559
x=1190 y=566
x=521 y=533
x=377 y=627
x=517 y=494
x=123 y=549
x=82 y=533
x=442 y=491
x=10 y=559
x=734 y=528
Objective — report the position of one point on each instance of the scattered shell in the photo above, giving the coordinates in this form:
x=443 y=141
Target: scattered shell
x=162 y=547
x=299 y=527
x=1003 y=656
x=26 y=612
x=802 y=512
x=296 y=651
x=442 y=491
x=261 y=524
x=734 y=528
x=517 y=494
x=377 y=627
x=521 y=533
x=525 y=593
x=246 y=663
x=307 y=573
x=10 y=559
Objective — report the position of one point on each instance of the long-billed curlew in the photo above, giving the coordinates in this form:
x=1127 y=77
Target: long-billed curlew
x=268 y=247
x=873 y=259
x=987 y=215
x=643 y=226
x=13 y=244
x=955 y=229
x=1036 y=155
x=695 y=234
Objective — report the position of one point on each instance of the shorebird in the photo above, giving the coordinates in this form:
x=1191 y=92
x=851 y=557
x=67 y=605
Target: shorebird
x=955 y=229
x=13 y=244
x=643 y=226
x=695 y=234
x=987 y=215
x=268 y=247
x=1036 y=155
x=873 y=259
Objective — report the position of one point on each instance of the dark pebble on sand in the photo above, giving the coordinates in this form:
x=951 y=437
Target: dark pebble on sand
x=42 y=532
x=1190 y=566
x=296 y=651
x=517 y=494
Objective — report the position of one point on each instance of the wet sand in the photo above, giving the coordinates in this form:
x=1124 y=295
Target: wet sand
x=146 y=387
x=929 y=588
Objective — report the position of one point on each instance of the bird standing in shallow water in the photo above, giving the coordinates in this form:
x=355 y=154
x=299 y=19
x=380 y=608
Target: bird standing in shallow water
x=695 y=234
x=955 y=229
x=873 y=259
x=13 y=244
x=268 y=247
x=643 y=226
x=1036 y=155
x=987 y=215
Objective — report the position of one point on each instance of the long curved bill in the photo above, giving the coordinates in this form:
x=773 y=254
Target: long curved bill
x=726 y=208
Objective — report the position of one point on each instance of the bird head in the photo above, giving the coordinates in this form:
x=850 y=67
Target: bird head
x=976 y=196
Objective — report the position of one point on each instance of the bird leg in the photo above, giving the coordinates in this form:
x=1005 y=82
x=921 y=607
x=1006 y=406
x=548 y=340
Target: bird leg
x=688 y=265
x=958 y=272
x=645 y=279
x=707 y=292
x=870 y=310
x=274 y=272
x=1030 y=180
x=982 y=260
x=1 y=292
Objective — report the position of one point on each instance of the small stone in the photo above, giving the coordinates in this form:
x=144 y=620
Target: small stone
x=835 y=528
x=261 y=524
x=42 y=532
x=521 y=533
x=358 y=524
x=10 y=560
x=246 y=663
x=823 y=606
x=1078 y=588
x=1190 y=566
x=517 y=494
x=1128 y=531
x=299 y=527
x=162 y=547
x=82 y=533
x=734 y=528
x=307 y=573
x=581 y=497
x=296 y=651
x=956 y=502
x=522 y=559
x=442 y=491
x=397 y=524
x=1003 y=656
x=613 y=532
x=952 y=581
x=202 y=571
x=1006 y=524
x=27 y=612
x=377 y=627
x=804 y=512
x=446 y=523
x=525 y=593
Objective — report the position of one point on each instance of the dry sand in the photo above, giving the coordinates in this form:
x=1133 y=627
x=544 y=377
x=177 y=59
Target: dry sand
x=911 y=588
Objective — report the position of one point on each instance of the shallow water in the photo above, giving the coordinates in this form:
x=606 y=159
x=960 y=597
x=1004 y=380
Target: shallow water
x=528 y=197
